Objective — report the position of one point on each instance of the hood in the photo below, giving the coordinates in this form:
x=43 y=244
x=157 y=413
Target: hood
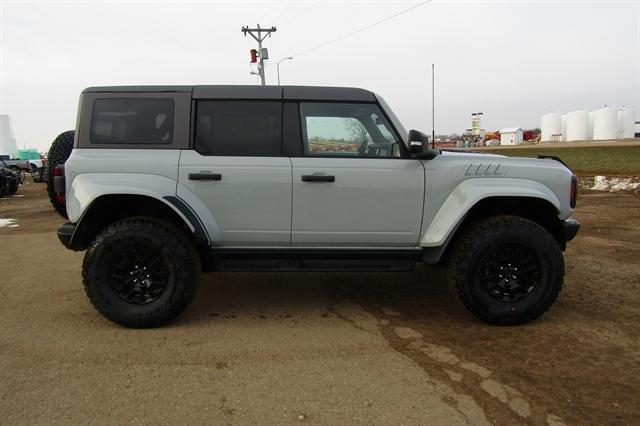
x=470 y=154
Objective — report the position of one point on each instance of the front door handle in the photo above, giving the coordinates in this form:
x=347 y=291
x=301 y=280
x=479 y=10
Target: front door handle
x=318 y=178
x=205 y=176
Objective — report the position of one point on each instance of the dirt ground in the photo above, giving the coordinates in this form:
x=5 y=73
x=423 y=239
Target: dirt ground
x=321 y=348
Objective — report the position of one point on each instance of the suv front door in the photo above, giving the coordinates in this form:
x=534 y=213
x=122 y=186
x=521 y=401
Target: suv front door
x=238 y=172
x=351 y=188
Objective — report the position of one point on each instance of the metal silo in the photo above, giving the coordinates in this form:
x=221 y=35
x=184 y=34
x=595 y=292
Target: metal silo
x=626 y=123
x=563 y=127
x=7 y=142
x=550 y=127
x=605 y=124
x=577 y=126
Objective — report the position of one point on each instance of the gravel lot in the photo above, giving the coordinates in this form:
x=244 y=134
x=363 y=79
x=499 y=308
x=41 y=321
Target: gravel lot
x=321 y=348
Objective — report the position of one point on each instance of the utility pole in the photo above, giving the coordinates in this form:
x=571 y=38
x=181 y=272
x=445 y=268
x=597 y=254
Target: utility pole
x=433 y=107
x=259 y=35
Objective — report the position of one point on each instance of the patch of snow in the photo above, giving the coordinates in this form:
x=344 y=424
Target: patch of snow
x=615 y=184
x=8 y=222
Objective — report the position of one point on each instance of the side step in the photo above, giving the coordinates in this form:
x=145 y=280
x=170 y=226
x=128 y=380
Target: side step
x=314 y=260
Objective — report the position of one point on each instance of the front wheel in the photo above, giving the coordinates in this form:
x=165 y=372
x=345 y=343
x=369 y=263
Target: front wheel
x=506 y=270
x=141 y=272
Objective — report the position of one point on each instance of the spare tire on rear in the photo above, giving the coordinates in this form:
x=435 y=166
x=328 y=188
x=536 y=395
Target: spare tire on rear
x=58 y=153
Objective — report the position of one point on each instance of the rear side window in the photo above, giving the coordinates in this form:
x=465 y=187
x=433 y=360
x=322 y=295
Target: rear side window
x=132 y=121
x=239 y=128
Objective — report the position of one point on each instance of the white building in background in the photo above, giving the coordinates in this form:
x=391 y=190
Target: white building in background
x=511 y=136
x=7 y=141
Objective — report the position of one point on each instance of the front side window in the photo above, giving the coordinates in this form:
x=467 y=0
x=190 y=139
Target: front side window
x=132 y=121
x=347 y=130
x=239 y=128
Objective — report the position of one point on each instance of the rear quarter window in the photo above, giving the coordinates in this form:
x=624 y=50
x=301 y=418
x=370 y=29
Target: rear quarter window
x=132 y=121
x=239 y=128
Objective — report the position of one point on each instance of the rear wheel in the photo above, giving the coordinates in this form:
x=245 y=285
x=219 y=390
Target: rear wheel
x=58 y=153
x=141 y=272
x=506 y=270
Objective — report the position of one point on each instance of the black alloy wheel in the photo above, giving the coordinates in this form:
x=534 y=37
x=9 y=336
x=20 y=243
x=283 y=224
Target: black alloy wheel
x=139 y=276
x=511 y=273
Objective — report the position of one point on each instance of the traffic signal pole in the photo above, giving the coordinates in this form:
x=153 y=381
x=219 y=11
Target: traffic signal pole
x=259 y=35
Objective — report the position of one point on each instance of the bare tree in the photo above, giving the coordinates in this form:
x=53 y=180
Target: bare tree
x=357 y=130
x=359 y=133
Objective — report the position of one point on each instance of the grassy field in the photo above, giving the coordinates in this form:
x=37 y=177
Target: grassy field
x=615 y=160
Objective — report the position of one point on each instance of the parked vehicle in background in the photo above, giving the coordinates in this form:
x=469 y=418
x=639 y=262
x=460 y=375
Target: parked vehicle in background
x=16 y=165
x=37 y=162
x=10 y=179
x=40 y=175
x=165 y=182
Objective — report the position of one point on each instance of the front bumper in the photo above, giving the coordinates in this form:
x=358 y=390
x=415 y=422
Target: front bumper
x=570 y=228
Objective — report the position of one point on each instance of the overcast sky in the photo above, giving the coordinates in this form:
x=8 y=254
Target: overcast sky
x=512 y=60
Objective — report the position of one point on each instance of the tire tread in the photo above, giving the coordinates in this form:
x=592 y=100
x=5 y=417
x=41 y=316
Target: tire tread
x=179 y=245
x=489 y=228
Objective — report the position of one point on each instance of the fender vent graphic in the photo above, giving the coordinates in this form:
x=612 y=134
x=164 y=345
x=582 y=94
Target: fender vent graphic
x=485 y=170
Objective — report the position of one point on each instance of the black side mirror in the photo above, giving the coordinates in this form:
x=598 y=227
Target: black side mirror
x=418 y=142
x=419 y=146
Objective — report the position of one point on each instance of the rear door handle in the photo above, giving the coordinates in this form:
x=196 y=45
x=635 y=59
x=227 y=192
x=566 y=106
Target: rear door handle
x=318 y=178
x=205 y=176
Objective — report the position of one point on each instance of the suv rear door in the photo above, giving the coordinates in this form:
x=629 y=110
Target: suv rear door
x=351 y=187
x=236 y=169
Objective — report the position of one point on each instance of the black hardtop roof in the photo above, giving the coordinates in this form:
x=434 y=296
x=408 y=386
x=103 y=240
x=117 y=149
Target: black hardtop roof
x=319 y=93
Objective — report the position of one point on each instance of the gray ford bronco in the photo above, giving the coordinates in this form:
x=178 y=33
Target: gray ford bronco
x=166 y=182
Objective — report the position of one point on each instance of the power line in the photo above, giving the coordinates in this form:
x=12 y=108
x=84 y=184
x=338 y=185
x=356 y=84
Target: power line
x=269 y=10
x=308 y=6
x=292 y=7
x=335 y=40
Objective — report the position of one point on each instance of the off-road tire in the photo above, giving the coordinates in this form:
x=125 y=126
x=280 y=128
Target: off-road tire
x=175 y=252
x=58 y=153
x=469 y=262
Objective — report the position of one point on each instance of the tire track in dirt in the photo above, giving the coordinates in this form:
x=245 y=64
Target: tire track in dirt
x=472 y=388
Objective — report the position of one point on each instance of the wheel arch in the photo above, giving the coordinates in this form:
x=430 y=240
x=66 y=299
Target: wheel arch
x=537 y=210
x=109 y=208
x=476 y=198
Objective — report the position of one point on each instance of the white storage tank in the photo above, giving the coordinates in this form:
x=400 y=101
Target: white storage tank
x=605 y=124
x=550 y=127
x=7 y=142
x=563 y=127
x=577 y=126
x=591 y=115
x=626 y=123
